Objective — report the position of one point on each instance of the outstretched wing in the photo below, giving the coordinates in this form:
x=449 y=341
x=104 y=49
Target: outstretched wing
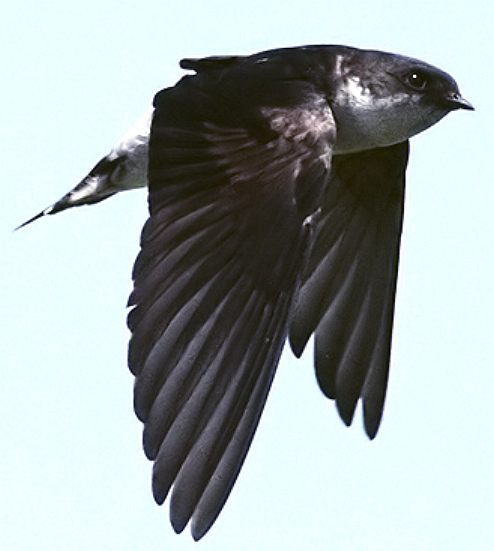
x=234 y=185
x=348 y=291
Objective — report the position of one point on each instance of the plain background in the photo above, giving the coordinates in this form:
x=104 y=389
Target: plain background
x=72 y=474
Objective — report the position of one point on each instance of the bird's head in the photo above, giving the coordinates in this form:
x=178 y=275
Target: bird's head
x=385 y=98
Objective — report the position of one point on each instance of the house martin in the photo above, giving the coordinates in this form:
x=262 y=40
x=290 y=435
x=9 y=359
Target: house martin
x=276 y=190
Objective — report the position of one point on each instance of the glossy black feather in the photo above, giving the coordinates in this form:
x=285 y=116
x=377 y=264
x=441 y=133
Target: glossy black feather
x=234 y=184
x=347 y=295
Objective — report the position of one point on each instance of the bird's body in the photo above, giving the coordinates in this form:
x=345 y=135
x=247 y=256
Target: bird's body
x=276 y=190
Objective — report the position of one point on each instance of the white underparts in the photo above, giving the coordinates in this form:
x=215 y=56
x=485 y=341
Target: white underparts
x=366 y=120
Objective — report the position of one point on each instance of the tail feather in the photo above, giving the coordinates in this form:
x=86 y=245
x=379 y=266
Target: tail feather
x=36 y=217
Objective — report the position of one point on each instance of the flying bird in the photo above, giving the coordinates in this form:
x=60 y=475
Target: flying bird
x=276 y=190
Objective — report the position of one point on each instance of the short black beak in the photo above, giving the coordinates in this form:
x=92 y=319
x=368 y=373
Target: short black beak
x=455 y=101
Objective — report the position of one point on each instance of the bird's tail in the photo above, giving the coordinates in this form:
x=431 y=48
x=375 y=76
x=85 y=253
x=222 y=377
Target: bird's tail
x=92 y=189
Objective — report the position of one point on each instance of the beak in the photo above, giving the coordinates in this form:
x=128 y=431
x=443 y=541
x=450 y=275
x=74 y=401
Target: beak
x=455 y=101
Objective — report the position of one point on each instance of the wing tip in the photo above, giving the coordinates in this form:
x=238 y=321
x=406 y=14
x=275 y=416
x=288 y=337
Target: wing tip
x=199 y=528
x=372 y=421
x=346 y=411
x=297 y=345
x=178 y=523
x=372 y=424
x=160 y=486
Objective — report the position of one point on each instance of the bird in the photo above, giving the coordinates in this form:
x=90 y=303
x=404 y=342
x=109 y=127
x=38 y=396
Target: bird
x=276 y=185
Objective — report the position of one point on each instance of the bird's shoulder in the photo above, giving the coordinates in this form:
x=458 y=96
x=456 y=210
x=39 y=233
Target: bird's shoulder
x=274 y=77
x=274 y=94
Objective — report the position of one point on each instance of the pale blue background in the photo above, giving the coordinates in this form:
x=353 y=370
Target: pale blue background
x=72 y=474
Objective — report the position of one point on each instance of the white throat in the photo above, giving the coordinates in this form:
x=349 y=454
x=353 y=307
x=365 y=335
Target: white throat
x=366 y=121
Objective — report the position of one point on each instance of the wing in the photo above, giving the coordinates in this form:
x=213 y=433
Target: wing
x=233 y=189
x=348 y=293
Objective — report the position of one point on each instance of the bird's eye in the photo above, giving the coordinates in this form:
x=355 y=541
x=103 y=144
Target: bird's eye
x=416 y=80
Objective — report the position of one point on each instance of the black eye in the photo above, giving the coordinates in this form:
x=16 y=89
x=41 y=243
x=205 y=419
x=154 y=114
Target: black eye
x=416 y=80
